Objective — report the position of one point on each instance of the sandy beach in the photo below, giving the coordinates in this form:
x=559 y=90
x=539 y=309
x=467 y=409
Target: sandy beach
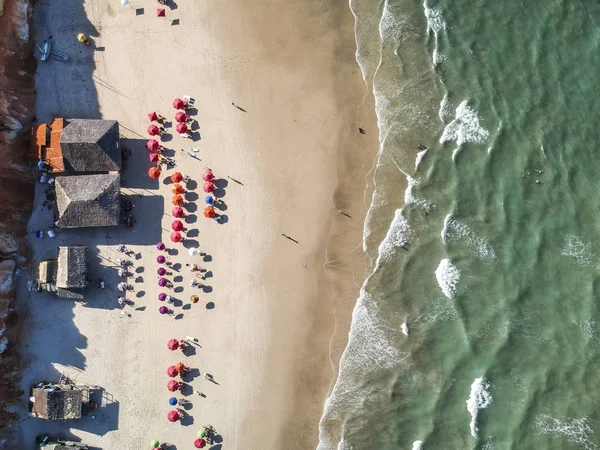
x=274 y=318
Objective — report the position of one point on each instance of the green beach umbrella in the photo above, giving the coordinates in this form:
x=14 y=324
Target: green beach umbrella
x=202 y=434
x=154 y=443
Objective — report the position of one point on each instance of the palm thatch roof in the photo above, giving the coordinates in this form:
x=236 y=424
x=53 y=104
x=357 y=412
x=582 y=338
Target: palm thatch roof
x=89 y=145
x=54 y=402
x=71 y=272
x=88 y=200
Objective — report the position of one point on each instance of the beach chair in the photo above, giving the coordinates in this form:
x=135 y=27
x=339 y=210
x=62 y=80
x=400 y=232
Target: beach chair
x=188 y=99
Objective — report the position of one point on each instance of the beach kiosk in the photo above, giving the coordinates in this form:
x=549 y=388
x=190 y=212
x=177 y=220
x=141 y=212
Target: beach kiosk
x=71 y=271
x=46 y=443
x=58 y=401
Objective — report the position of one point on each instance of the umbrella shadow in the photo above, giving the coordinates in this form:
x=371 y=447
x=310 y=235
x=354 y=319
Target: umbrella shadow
x=140 y=294
x=191 y=207
x=224 y=218
x=173 y=251
x=178 y=316
x=196 y=136
x=166 y=137
x=139 y=279
x=210 y=305
x=192 y=111
x=192 y=374
x=192 y=218
x=190 y=243
x=187 y=420
x=220 y=183
x=178 y=290
x=191 y=196
x=139 y=269
x=178 y=279
x=187 y=390
x=207 y=258
x=176 y=267
x=177 y=303
x=208 y=274
x=191 y=185
x=220 y=205
x=219 y=193
x=193 y=233
x=186 y=307
x=169 y=153
x=190 y=350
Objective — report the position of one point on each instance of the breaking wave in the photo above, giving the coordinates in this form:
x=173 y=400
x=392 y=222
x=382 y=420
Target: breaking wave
x=465 y=128
x=457 y=231
x=448 y=276
x=576 y=431
x=480 y=398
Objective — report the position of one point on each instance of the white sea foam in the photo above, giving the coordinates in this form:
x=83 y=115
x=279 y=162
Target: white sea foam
x=398 y=235
x=459 y=232
x=404 y=329
x=420 y=157
x=455 y=153
x=579 y=250
x=435 y=22
x=418 y=445
x=480 y=398
x=448 y=276
x=465 y=128
x=576 y=431
x=445 y=112
x=589 y=330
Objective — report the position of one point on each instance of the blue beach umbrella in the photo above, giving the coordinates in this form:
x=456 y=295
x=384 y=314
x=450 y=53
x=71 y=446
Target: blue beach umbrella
x=173 y=401
x=209 y=200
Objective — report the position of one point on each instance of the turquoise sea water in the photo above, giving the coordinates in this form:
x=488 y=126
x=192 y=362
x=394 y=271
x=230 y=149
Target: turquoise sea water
x=477 y=326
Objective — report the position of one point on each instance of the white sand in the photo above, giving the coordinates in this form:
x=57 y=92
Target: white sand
x=267 y=339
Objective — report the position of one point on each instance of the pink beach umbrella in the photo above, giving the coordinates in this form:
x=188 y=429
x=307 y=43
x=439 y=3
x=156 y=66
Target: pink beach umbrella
x=208 y=186
x=160 y=259
x=153 y=116
x=163 y=310
x=176 y=236
x=177 y=225
x=181 y=128
x=162 y=297
x=178 y=103
x=160 y=12
x=153 y=145
x=162 y=282
x=208 y=175
x=161 y=271
x=178 y=212
x=160 y=246
x=172 y=371
x=153 y=157
x=181 y=117
x=153 y=130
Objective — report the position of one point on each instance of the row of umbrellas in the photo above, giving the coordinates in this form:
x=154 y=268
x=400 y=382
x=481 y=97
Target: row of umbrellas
x=198 y=443
x=181 y=127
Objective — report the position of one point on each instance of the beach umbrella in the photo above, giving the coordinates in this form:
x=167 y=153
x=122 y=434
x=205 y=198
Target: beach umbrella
x=180 y=117
x=181 y=128
x=208 y=186
x=162 y=282
x=180 y=367
x=173 y=385
x=154 y=443
x=209 y=200
x=194 y=298
x=153 y=145
x=209 y=212
x=199 y=443
x=161 y=271
x=124 y=2
x=193 y=251
x=172 y=371
x=153 y=116
x=201 y=433
x=160 y=246
x=177 y=189
x=177 y=200
x=153 y=157
x=173 y=401
x=160 y=12
x=153 y=130
x=177 y=225
x=178 y=103
x=162 y=296
x=176 y=236
x=154 y=173
x=208 y=175
x=173 y=344
x=178 y=212
x=173 y=416
x=163 y=310
x=177 y=177
x=160 y=259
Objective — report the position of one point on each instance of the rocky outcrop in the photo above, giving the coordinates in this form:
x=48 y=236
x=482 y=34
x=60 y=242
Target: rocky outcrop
x=17 y=101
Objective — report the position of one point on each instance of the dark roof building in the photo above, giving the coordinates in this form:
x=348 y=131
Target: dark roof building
x=90 y=145
x=71 y=272
x=56 y=401
x=88 y=200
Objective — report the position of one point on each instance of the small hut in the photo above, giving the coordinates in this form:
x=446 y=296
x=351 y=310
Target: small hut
x=46 y=279
x=71 y=272
x=88 y=200
x=57 y=444
x=58 y=401
x=91 y=146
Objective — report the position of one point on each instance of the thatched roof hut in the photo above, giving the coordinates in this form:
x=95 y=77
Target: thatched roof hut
x=64 y=445
x=71 y=272
x=54 y=402
x=88 y=200
x=89 y=145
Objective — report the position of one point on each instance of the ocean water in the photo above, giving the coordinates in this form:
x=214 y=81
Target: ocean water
x=476 y=327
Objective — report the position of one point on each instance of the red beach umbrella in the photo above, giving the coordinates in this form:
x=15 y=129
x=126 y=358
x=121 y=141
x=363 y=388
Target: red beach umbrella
x=153 y=157
x=178 y=212
x=208 y=186
x=177 y=200
x=208 y=175
x=160 y=12
x=177 y=189
x=173 y=344
x=153 y=145
x=153 y=116
x=172 y=371
x=173 y=416
x=173 y=385
x=209 y=212
x=181 y=128
x=181 y=117
x=178 y=103
x=153 y=130
x=154 y=173
x=177 y=225
x=199 y=443
x=176 y=177
x=176 y=236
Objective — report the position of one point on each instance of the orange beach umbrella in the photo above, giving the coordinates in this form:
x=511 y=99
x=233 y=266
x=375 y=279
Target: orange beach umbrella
x=177 y=200
x=154 y=173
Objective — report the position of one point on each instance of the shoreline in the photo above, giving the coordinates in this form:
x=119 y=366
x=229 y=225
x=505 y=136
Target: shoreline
x=300 y=157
